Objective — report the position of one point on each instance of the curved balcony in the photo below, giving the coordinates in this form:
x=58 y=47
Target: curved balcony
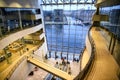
x=8 y=72
x=101 y=65
x=91 y=50
x=17 y=35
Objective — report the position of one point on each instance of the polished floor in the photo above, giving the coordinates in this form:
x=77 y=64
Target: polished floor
x=104 y=66
x=38 y=75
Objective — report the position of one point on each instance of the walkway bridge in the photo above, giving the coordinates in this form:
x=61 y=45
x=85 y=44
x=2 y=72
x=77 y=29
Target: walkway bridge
x=50 y=69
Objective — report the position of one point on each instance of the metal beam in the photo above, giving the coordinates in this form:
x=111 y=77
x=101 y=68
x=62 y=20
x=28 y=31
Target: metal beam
x=67 y=3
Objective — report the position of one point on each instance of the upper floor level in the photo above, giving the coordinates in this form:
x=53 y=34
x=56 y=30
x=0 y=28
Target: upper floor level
x=18 y=19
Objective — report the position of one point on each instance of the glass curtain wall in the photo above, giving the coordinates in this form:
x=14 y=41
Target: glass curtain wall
x=15 y=19
x=114 y=19
x=114 y=27
x=66 y=24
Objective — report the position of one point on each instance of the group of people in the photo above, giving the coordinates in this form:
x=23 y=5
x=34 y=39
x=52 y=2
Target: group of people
x=65 y=64
x=76 y=59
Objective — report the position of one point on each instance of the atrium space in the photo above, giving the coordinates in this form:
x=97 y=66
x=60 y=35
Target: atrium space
x=59 y=39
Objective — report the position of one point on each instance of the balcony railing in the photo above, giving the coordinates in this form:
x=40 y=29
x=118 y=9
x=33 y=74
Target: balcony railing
x=5 y=32
x=10 y=70
x=86 y=69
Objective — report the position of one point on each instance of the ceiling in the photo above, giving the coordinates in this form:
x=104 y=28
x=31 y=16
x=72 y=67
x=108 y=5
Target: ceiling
x=107 y=3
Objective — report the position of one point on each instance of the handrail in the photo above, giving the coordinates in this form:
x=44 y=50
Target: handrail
x=106 y=29
x=6 y=76
x=16 y=30
x=82 y=74
x=81 y=55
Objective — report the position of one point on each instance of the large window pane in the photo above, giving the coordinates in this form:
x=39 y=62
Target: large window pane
x=67 y=29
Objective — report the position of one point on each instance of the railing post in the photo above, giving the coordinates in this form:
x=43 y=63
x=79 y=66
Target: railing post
x=113 y=46
x=110 y=42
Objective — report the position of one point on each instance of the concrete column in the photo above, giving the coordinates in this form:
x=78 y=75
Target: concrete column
x=96 y=23
x=97 y=11
x=55 y=55
x=49 y=54
x=61 y=55
x=32 y=22
x=0 y=32
x=5 y=51
x=73 y=56
x=23 y=42
x=2 y=23
x=20 y=20
x=67 y=56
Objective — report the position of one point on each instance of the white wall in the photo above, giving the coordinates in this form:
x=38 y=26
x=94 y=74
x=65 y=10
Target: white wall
x=22 y=71
x=42 y=51
x=86 y=54
x=45 y=44
x=25 y=68
x=88 y=46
